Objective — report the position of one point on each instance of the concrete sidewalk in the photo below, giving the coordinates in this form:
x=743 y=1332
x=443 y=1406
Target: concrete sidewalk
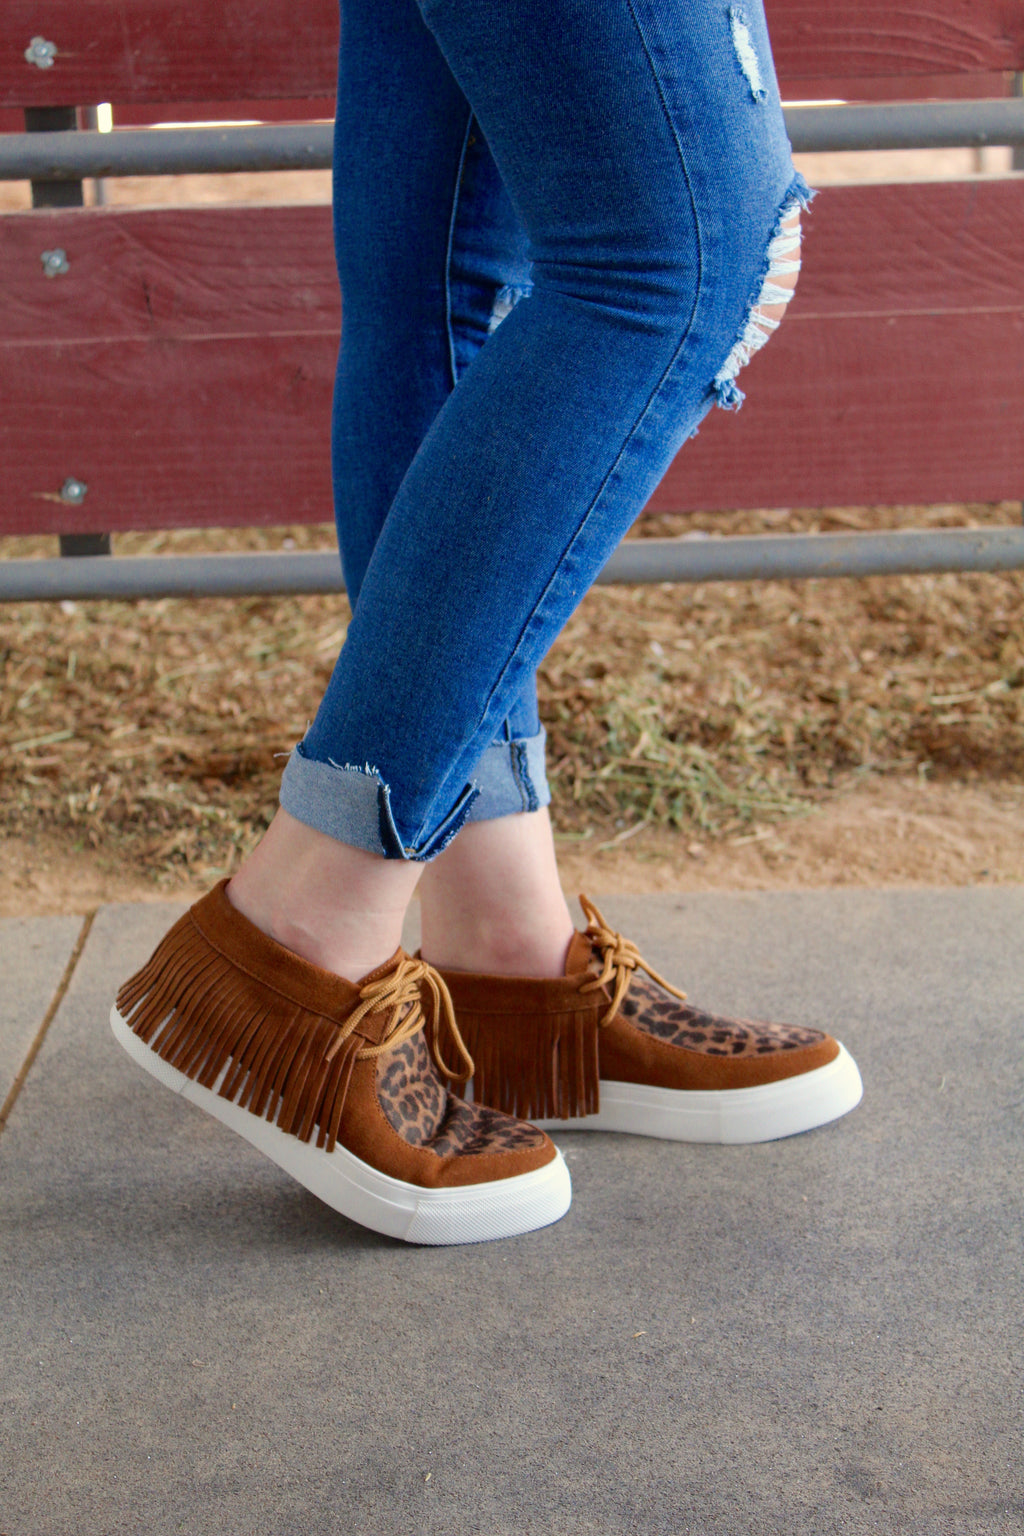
x=815 y=1336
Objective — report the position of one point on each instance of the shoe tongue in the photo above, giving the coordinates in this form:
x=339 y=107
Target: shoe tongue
x=581 y=951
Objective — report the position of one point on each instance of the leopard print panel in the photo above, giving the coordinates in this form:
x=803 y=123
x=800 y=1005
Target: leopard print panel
x=655 y=1012
x=419 y=1107
x=472 y=1128
x=410 y=1092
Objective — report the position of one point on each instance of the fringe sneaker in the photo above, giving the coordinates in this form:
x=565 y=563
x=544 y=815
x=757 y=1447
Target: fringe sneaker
x=335 y=1081
x=606 y=1049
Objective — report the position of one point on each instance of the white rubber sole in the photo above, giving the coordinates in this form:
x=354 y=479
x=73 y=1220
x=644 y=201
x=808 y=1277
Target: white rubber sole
x=475 y=1213
x=732 y=1115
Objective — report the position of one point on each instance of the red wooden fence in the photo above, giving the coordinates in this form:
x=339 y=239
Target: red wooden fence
x=181 y=368
x=247 y=50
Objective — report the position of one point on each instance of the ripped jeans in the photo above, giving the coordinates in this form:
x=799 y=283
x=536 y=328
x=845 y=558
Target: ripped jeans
x=562 y=227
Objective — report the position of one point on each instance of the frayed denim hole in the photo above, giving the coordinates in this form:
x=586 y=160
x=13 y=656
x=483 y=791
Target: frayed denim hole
x=746 y=53
x=505 y=301
x=782 y=259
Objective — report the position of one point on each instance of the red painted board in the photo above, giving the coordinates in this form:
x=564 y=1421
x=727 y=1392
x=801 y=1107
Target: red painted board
x=167 y=433
x=922 y=408
x=234 y=50
x=913 y=247
x=187 y=434
x=147 y=274
x=189 y=272
x=873 y=39
x=184 y=383
x=169 y=50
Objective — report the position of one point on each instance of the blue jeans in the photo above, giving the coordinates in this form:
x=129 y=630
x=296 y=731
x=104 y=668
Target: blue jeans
x=555 y=220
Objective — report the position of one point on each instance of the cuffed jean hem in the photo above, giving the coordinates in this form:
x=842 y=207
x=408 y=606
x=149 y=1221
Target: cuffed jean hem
x=352 y=803
x=511 y=778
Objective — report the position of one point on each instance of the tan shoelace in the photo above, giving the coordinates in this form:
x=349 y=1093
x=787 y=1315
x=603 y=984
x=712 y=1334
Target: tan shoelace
x=399 y=990
x=620 y=958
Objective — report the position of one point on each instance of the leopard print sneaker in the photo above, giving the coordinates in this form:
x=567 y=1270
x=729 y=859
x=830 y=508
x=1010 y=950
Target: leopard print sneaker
x=345 y=1086
x=608 y=1049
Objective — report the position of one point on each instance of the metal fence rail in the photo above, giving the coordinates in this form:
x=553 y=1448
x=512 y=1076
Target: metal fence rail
x=687 y=559
x=65 y=156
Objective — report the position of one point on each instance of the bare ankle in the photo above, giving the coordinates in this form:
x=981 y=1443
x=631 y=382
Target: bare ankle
x=496 y=949
x=492 y=903
x=333 y=905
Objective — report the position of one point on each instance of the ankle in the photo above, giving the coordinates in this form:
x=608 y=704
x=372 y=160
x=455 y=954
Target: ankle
x=498 y=948
x=333 y=905
x=492 y=903
x=347 y=944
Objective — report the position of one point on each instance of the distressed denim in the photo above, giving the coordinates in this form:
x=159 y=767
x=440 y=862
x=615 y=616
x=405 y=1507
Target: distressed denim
x=554 y=221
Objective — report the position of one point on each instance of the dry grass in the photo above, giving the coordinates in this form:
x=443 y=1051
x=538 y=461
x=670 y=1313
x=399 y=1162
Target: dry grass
x=155 y=729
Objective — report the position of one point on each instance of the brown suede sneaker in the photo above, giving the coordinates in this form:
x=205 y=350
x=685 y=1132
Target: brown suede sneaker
x=335 y=1081
x=604 y=1048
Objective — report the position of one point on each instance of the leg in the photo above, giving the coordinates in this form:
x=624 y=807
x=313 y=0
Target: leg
x=428 y=244
x=492 y=902
x=337 y=906
x=431 y=257
x=229 y=1013
x=773 y=1080
x=649 y=186
x=429 y=250
x=645 y=273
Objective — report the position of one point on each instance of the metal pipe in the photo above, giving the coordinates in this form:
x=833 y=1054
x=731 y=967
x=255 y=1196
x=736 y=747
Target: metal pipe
x=914 y=125
x=794 y=556
x=165 y=152
x=687 y=559
x=179 y=151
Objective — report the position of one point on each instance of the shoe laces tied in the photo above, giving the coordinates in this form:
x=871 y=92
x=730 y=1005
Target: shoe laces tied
x=619 y=959
x=400 y=990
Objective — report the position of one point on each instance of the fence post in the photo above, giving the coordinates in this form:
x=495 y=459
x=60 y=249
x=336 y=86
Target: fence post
x=63 y=194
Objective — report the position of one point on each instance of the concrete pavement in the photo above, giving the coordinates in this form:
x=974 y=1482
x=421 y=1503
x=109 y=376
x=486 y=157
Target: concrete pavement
x=820 y=1335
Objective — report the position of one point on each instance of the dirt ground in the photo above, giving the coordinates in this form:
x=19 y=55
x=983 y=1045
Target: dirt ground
x=880 y=833
x=745 y=735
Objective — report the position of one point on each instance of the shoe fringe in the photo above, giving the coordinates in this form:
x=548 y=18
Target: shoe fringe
x=210 y=1021
x=534 y=1068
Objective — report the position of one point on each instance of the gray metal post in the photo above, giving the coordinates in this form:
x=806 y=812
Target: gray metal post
x=90 y=120
x=63 y=194
x=54 y=193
